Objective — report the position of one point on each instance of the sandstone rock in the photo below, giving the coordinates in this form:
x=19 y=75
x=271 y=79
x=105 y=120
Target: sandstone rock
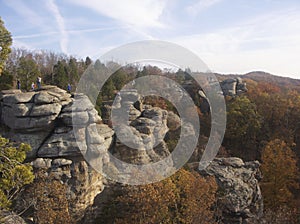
x=104 y=131
x=61 y=162
x=11 y=218
x=18 y=98
x=129 y=96
x=133 y=113
x=144 y=125
x=174 y=121
x=155 y=113
x=146 y=144
x=241 y=200
x=41 y=163
x=19 y=110
x=44 y=120
x=76 y=117
x=92 y=135
x=94 y=117
x=60 y=145
x=45 y=110
x=80 y=103
x=9 y=91
x=233 y=86
x=45 y=98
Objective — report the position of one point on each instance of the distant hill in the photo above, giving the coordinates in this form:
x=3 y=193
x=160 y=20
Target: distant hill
x=259 y=76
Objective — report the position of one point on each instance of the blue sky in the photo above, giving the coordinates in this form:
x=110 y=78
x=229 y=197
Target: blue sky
x=230 y=36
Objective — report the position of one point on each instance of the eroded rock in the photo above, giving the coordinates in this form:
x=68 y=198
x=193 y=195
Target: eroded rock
x=240 y=199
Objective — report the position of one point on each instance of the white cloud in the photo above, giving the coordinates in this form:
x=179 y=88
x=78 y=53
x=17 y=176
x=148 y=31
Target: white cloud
x=200 y=6
x=136 y=13
x=30 y=15
x=61 y=25
x=270 y=42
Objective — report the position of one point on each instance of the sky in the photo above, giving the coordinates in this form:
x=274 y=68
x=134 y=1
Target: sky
x=230 y=36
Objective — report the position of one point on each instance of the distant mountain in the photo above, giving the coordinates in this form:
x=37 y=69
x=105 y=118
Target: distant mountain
x=259 y=76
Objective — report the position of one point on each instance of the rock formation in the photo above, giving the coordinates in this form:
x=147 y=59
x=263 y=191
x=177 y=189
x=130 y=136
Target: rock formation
x=44 y=120
x=230 y=87
x=239 y=199
x=148 y=126
x=64 y=133
x=233 y=87
x=11 y=218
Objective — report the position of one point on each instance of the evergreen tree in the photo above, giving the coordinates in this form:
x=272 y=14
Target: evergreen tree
x=14 y=174
x=6 y=80
x=27 y=72
x=61 y=78
x=5 y=43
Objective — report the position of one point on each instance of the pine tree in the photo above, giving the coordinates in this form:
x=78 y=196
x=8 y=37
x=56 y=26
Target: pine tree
x=5 y=43
x=14 y=174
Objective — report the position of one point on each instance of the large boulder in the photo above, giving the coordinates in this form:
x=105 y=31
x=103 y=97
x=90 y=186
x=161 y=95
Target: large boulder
x=239 y=198
x=10 y=218
x=146 y=144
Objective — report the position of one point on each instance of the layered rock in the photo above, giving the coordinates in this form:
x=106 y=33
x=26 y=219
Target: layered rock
x=230 y=87
x=233 y=87
x=63 y=131
x=239 y=200
x=141 y=139
x=11 y=218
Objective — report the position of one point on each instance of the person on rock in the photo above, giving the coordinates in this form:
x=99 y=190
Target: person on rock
x=38 y=82
x=69 y=87
x=18 y=84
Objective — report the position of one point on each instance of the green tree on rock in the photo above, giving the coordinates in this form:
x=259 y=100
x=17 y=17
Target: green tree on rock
x=28 y=72
x=14 y=174
x=5 y=43
x=61 y=78
x=243 y=124
x=6 y=80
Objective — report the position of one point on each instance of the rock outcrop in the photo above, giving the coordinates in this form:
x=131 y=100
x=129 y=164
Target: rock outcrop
x=230 y=87
x=45 y=120
x=233 y=87
x=64 y=130
x=239 y=199
x=148 y=127
x=10 y=218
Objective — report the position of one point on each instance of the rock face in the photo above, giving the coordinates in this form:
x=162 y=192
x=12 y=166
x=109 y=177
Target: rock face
x=240 y=199
x=64 y=130
x=11 y=218
x=233 y=87
x=45 y=120
x=148 y=128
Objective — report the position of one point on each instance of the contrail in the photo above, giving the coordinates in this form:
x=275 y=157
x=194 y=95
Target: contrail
x=61 y=26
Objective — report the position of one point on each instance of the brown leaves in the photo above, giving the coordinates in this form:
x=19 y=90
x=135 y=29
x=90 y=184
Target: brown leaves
x=280 y=173
x=183 y=198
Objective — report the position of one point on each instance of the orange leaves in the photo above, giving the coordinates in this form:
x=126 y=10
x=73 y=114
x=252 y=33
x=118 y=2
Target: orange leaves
x=280 y=173
x=183 y=198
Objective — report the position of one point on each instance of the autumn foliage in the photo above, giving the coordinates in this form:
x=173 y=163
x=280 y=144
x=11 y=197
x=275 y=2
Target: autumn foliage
x=51 y=204
x=183 y=198
x=280 y=172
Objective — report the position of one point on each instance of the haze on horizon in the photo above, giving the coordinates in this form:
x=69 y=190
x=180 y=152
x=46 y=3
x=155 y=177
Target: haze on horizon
x=230 y=36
